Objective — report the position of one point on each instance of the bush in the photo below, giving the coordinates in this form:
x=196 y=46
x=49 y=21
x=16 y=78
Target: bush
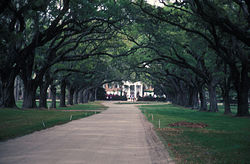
x=151 y=98
x=101 y=94
x=116 y=97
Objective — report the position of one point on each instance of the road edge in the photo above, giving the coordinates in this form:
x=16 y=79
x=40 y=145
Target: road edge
x=157 y=150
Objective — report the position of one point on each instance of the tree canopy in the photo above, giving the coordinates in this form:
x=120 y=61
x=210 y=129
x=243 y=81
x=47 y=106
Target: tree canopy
x=185 y=49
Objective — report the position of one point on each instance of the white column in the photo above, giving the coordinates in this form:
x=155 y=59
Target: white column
x=135 y=91
x=129 y=91
x=141 y=86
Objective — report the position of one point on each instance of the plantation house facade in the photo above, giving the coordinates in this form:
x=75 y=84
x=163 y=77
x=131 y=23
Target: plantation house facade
x=129 y=89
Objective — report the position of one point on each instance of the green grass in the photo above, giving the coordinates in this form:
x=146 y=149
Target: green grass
x=96 y=105
x=225 y=140
x=89 y=106
x=19 y=103
x=17 y=122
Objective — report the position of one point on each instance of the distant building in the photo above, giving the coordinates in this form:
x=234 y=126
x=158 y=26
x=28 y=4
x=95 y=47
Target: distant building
x=129 y=89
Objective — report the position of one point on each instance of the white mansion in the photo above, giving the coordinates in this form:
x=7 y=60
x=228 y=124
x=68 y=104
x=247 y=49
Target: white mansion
x=130 y=89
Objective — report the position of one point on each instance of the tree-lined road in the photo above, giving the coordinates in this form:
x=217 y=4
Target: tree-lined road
x=117 y=135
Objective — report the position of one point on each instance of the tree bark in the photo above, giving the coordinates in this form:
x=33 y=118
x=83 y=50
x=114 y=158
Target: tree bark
x=178 y=99
x=44 y=84
x=7 y=95
x=63 y=93
x=76 y=97
x=190 y=97
x=242 y=96
x=174 y=98
x=203 y=101
x=7 y=80
x=43 y=95
x=85 y=95
x=242 y=92
x=213 y=107
x=71 y=95
x=53 y=96
x=30 y=88
x=30 y=84
x=182 y=99
x=91 y=97
x=185 y=98
x=81 y=96
x=194 y=99
x=17 y=88
x=96 y=93
x=241 y=83
x=225 y=89
x=226 y=99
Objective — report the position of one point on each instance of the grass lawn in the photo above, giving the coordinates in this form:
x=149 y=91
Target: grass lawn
x=96 y=105
x=16 y=122
x=19 y=103
x=89 y=106
x=226 y=139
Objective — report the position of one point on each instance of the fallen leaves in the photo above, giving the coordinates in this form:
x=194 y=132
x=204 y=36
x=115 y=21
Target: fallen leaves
x=188 y=124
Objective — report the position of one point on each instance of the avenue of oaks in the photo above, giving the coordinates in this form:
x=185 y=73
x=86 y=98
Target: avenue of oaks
x=185 y=49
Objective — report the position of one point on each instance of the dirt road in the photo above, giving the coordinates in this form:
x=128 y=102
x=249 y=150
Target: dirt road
x=118 y=135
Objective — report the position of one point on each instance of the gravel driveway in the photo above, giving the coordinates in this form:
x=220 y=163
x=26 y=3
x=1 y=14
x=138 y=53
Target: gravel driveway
x=118 y=135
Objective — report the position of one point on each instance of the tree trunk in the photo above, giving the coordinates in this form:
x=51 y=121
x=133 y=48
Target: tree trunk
x=91 y=97
x=53 y=96
x=177 y=92
x=30 y=84
x=195 y=103
x=30 y=88
x=225 y=89
x=43 y=95
x=96 y=93
x=17 y=88
x=7 y=95
x=47 y=80
x=241 y=84
x=242 y=92
x=76 y=97
x=182 y=96
x=203 y=101
x=49 y=94
x=226 y=99
x=81 y=96
x=177 y=99
x=185 y=98
x=213 y=107
x=174 y=98
x=7 y=99
x=242 y=96
x=63 y=93
x=190 y=97
x=22 y=91
x=85 y=95
x=71 y=96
